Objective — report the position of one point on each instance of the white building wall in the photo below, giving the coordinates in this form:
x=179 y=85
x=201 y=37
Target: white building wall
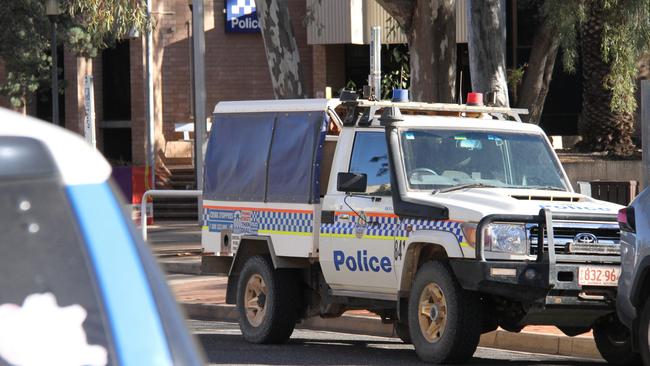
x=350 y=21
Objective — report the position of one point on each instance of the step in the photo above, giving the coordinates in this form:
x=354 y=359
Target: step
x=181 y=169
x=183 y=176
x=182 y=185
x=175 y=206
x=175 y=199
x=175 y=215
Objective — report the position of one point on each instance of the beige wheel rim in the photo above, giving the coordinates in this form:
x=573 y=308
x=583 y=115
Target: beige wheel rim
x=255 y=300
x=432 y=312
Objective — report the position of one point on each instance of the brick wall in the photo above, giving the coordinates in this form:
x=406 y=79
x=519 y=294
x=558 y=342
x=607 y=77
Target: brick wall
x=235 y=63
x=236 y=68
x=319 y=76
x=138 y=100
x=336 y=67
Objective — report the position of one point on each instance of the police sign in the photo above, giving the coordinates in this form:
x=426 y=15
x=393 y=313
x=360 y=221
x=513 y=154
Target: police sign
x=241 y=16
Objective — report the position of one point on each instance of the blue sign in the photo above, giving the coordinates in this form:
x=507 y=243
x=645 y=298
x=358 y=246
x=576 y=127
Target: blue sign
x=241 y=16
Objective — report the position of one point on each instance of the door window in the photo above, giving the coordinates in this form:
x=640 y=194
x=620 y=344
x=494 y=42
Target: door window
x=370 y=157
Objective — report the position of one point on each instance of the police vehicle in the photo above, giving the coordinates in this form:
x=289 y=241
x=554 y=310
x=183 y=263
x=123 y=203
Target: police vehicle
x=78 y=286
x=437 y=217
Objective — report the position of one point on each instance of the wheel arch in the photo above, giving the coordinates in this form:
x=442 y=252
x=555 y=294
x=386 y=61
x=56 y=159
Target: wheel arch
x=419 y=252
x=641 y=284
x=257 y=245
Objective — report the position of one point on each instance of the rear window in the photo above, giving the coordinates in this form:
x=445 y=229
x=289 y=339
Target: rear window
x=43 y=256
x=265 y=157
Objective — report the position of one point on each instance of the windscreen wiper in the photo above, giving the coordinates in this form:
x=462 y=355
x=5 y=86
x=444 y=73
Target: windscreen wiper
x=549 y=188
x=462 y=186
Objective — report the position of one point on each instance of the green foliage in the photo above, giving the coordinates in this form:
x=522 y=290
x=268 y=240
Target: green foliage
x=399 y=76
x=24 y=47
x=626 y=35
x=85 y=26
x=515 y=76
x=96 y=24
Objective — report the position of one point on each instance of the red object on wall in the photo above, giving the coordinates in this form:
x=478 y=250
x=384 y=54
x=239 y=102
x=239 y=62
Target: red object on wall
x=139 y=180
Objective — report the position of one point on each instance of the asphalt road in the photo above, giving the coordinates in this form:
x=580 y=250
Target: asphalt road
x=224 y=345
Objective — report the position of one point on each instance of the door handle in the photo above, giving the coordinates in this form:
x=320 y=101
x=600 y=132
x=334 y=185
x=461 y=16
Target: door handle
x=344 y=217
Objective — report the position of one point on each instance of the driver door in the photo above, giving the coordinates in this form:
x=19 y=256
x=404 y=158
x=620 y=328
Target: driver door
x=357 y=250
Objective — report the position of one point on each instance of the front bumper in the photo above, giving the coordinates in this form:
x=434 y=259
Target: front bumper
x=532 y=282
x=550 y=281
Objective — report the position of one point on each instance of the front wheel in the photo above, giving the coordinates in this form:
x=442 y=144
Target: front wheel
x=444 y=319
x=614 y=342
x=266 y=302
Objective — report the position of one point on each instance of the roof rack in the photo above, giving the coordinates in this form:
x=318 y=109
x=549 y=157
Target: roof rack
x=498 y=112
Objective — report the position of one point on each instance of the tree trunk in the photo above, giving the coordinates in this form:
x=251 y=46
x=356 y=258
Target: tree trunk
x=281 y=49
x=430 y=28
x=487 y=48
x=537 y=77
x=601 y=129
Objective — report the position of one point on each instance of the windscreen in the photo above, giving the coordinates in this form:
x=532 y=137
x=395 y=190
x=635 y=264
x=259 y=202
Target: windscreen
x=439 y=159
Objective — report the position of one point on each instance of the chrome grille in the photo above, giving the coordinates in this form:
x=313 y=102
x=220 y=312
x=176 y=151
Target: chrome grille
x=564 y=234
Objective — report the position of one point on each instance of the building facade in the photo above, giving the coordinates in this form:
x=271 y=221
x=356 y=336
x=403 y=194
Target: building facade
x=332 y=38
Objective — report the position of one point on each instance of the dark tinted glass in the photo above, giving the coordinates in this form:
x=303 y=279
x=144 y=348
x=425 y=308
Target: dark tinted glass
x=370 y=156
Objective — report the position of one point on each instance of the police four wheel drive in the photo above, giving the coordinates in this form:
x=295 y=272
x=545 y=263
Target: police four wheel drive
x=436 y=217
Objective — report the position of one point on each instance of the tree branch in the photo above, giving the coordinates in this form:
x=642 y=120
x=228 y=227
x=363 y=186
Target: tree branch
x=401 y=11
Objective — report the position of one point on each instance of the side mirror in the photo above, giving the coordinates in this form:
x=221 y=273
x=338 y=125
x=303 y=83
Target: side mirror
x=351 y=182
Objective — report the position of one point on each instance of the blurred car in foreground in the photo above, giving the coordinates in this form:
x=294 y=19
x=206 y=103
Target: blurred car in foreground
x=78 y=286
x=632 y=303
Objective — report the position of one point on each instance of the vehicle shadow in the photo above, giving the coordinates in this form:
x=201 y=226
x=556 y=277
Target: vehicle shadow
x=233 y=349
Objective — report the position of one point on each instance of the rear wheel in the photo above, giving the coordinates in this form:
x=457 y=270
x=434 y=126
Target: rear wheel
x=266 y=302
x=444 y=319
x=614 y=342
x=644 y=333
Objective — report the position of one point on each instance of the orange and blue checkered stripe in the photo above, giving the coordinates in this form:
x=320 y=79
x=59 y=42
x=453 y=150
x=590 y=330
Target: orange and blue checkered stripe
x=301 y=222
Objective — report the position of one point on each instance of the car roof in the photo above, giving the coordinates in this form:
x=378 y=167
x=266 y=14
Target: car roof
x=460 y=123
x=276 y=105
x=69 y=151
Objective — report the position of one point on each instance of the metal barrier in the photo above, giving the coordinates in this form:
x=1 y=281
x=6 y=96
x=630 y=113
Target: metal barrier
x=162 y=193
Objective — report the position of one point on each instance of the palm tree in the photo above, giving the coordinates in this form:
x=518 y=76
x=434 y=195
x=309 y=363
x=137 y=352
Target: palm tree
x=601 y=127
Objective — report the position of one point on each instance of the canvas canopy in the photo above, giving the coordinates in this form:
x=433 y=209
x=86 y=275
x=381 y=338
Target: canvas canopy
x=266 y=156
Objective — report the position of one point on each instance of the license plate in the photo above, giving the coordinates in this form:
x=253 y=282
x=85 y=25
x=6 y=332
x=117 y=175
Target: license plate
x=598 y=276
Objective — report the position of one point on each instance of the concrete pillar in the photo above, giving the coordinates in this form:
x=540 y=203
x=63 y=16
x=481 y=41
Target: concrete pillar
x=75 y=70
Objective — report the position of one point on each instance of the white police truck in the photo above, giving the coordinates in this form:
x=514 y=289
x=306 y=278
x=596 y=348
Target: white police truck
x=446 y=220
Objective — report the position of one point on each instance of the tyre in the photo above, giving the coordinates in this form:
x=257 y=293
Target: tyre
x=267 y=302
x=403 y=332
x=614 y=342
x=444 y=320
x=644 y=333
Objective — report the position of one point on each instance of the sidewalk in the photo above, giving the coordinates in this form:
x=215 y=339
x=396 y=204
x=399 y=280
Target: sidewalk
x=177 y=247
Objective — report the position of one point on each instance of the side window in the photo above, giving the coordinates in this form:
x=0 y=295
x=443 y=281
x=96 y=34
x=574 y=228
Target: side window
x=370 y=156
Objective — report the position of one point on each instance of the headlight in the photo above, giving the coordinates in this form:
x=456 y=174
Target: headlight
x=506 y=238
